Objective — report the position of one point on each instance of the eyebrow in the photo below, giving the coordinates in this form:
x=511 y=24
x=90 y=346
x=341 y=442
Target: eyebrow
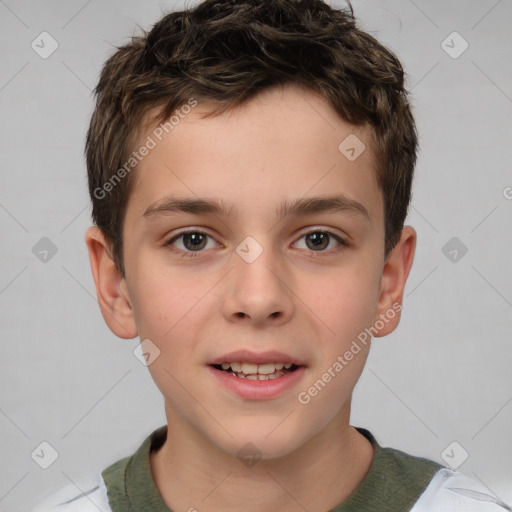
x=299 y=207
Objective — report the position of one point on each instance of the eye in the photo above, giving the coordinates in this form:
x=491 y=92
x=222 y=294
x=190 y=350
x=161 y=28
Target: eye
x=192 y=242
x=318 y=240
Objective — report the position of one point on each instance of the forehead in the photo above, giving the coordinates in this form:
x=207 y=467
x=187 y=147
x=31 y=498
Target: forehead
x=281 y=144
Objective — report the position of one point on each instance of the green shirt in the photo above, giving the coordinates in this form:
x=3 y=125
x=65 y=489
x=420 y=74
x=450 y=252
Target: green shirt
x=393 y=483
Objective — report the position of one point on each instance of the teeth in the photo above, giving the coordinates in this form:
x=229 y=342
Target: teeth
x=266 y=369
x=256 y=369
x=259 y=377
x=270 y=377
x=248 y=368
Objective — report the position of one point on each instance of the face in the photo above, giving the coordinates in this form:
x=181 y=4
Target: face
x=281 y=284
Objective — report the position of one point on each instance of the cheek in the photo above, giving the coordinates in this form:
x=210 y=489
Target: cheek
x=166 y=312
x=164 y=301
x=345 y=303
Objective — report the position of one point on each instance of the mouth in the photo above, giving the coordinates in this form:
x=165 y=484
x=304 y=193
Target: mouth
x=257 y=380
x=253 y=371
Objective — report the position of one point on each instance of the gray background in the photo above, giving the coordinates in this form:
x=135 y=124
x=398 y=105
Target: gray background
x=443 y=376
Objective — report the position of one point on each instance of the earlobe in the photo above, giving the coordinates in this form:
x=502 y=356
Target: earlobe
x=112 y=292
x=394 y=276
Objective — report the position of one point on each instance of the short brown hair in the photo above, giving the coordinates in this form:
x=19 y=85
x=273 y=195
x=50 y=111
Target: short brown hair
x=226 y=52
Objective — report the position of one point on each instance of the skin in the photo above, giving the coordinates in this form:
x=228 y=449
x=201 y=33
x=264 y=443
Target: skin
x=307 y=302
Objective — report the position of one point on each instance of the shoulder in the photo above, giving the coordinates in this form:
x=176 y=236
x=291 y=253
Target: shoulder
x=451 y=491
x=99 y=491
x=87 y=495
x=400 y=481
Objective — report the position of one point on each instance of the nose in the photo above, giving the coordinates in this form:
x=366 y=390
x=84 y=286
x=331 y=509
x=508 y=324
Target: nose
x=258 y=290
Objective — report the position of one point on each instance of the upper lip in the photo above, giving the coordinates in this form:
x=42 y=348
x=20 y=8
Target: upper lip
x=246 y=356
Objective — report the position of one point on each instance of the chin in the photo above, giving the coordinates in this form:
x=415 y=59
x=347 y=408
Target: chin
x=262 y=440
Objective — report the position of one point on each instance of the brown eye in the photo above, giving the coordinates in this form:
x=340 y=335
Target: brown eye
x=319 y=241
x=191 y=242
x=194 y=241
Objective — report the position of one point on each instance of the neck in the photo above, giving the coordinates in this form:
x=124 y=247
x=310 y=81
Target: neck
x=190 y=472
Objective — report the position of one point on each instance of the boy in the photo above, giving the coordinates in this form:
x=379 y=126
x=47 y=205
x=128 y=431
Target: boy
x=250 y=167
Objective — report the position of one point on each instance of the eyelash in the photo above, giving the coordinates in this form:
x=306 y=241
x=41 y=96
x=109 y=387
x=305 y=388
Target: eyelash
x=194 y=254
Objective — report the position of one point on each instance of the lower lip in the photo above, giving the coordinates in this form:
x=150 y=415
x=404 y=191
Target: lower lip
x=259 y=389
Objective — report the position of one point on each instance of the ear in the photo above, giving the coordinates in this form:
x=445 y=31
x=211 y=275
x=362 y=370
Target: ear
x=394 y=276
x=112 y=292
